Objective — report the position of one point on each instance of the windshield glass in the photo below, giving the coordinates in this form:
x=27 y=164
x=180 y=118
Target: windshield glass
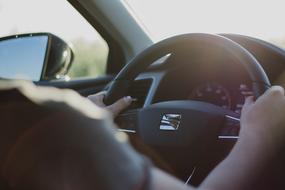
x=165 y=18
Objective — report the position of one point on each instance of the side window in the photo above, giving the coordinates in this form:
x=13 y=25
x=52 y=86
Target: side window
x=59 y=18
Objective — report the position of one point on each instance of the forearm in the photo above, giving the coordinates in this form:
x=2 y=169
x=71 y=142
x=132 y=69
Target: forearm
x=243 y=165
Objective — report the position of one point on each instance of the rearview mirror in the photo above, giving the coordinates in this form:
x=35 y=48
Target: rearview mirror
x=37 y=57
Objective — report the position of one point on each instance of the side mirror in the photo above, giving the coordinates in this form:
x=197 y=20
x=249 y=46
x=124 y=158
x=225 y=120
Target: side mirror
x=37 y=57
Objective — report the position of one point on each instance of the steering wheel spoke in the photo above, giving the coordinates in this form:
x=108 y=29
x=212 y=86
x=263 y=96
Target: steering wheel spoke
x=127 y=121
x=230 y=129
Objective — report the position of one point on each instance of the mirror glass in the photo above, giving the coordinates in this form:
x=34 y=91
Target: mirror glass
x=23 y=57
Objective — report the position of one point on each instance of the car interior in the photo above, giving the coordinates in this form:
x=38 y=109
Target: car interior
x=189 y=88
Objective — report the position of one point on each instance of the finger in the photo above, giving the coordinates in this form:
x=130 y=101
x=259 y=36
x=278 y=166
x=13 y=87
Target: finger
x=275 y=90
x=247 y=103
x=120 y=105
x=98 y=98
x=271 y=95
x=249 y=100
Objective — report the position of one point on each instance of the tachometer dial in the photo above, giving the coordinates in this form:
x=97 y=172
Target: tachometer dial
x=212 y=93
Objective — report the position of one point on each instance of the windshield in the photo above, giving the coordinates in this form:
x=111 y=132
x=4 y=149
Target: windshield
x=165 y=18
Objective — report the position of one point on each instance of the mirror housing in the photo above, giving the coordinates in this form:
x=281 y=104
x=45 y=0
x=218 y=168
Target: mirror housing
x=35 y=56
x=59 y=59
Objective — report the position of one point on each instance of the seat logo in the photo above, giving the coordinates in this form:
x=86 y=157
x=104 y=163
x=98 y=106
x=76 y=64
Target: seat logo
x=170 y=122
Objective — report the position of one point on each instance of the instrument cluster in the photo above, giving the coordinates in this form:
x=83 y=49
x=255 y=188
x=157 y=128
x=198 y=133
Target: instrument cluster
x=220 y=95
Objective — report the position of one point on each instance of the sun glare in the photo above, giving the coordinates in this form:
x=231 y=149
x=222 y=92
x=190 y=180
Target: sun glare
x=164 y=18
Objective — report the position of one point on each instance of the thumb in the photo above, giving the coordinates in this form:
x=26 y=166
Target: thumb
x=247 y=103
x=120 y=105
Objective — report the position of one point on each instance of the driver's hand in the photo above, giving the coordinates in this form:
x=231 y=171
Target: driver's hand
x=115 y=108
x=264 y=119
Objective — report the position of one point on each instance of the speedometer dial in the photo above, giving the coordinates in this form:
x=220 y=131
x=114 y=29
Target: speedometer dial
x=212 y=93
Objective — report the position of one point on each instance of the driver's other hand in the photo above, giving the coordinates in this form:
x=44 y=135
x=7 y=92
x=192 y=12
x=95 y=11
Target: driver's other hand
x=264 y=118
x=115 y=108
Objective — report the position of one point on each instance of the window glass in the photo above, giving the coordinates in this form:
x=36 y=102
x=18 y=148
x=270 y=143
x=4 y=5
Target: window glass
x=59 y=18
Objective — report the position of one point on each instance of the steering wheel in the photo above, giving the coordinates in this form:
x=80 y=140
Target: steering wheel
x=183 y=129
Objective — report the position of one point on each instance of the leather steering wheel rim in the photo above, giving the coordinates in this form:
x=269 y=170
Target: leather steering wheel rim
x=120 y=85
